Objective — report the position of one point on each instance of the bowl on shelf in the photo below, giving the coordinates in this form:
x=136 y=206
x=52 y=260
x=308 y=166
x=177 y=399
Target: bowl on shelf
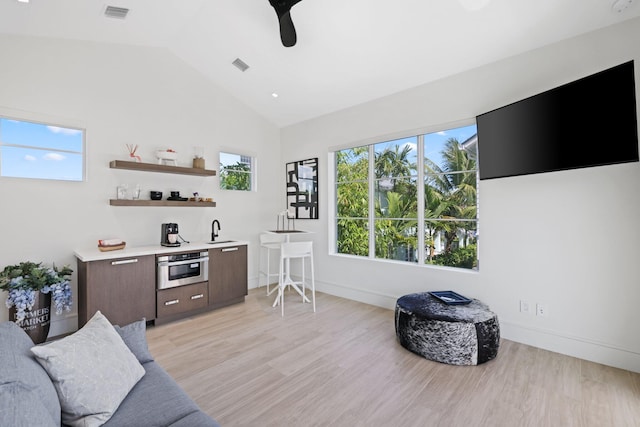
x=166 y=155
x=155 y=195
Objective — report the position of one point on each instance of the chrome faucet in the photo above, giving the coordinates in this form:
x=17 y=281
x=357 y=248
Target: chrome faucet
x=213 y=229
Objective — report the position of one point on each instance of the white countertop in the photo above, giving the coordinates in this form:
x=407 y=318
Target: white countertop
x=94 y=254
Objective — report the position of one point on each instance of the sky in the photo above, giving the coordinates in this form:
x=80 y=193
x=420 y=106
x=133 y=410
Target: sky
x=36 y=150
x=434 y=142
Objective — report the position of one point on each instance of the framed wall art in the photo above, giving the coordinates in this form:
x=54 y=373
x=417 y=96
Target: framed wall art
x=302 y=188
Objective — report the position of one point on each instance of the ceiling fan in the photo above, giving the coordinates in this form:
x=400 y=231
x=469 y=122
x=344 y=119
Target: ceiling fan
x=287 y=30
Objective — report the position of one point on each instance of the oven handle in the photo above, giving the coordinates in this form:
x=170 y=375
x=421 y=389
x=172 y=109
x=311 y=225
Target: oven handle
x=188 y=261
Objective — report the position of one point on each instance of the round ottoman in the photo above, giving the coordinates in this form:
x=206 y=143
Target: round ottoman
x=454 y=334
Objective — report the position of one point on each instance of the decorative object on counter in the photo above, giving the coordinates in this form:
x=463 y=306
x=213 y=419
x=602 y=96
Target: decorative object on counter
x=290 y=221
x=132 y=152
x=302 y=188
x=155 y=195
x=198 y=159
x=111 y=245
x=168 y=155
x=32 y=287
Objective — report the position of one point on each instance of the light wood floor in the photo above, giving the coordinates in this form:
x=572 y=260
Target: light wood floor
x=342 y=366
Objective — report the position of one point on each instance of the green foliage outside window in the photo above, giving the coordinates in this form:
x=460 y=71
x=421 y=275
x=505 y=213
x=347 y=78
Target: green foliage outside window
x=352 y=175
x=450 y=203
x=235 y=177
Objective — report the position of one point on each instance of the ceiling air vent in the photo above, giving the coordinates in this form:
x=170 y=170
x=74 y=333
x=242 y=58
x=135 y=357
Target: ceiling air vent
x=240 y=64
x=116 y=12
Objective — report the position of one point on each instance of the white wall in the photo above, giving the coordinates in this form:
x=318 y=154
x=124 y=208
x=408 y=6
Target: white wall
x=577 y=254
x=125 y=95
x=570 y=240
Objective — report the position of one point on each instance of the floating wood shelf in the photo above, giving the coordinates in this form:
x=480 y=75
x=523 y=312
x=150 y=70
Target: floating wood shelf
x=151 y=167
x=119 y=202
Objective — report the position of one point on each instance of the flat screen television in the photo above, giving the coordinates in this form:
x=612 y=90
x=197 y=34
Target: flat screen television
x=589 y=122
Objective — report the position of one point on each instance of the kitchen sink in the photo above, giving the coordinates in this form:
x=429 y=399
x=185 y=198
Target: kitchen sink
x=220 y=241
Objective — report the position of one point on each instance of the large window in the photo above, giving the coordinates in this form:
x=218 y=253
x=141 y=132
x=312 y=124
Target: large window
x=236 y=172
x=37 y=150
x=391 y=205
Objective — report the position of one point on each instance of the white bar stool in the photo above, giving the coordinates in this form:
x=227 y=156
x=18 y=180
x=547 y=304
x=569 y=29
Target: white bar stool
x=295 y=250
x=268 y=243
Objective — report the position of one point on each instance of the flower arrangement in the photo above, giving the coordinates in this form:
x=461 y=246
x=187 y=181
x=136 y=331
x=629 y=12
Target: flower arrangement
x=132 y=152
x=22 y=281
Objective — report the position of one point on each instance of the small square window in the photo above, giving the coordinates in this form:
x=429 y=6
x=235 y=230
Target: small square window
x=236 y=172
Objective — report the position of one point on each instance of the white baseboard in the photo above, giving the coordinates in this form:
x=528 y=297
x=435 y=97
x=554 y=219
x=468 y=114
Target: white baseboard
x=579 y=347
x=358 y=294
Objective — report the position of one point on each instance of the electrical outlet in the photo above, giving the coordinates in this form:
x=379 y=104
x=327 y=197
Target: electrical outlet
x=524 y=307
x=542 y=310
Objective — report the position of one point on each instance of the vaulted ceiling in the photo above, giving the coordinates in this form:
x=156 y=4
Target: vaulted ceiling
x=347 y=52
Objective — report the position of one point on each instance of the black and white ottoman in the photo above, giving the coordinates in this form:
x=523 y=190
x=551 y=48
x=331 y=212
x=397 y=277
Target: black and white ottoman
x=454 y=334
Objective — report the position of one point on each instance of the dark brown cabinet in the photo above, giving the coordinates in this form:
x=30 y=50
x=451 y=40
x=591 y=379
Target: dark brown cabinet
x=123 y=289
x=228 y=275
x=182 y=299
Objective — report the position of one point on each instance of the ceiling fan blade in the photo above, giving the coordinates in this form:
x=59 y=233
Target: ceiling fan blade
x=287 y=30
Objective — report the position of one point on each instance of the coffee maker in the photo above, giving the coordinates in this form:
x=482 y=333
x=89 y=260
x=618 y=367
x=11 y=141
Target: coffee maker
x=169 y=235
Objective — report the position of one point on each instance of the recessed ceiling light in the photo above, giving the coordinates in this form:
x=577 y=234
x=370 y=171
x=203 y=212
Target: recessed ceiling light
x=23 y=1
x=275 y=95
x=621 y=5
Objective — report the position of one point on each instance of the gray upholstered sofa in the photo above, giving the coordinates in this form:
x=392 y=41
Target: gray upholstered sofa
x=29 y=393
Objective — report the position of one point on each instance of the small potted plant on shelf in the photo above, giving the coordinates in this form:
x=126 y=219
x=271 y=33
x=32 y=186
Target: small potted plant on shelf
x=32 y=288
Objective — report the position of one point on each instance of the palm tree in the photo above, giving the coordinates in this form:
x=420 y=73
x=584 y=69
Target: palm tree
x=394 y=163
x=394 y=202
x=456 y=183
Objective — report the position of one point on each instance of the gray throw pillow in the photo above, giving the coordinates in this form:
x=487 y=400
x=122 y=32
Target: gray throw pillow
x=18 y=364
x=92 y=370
x=21 y=407
x=135 y=337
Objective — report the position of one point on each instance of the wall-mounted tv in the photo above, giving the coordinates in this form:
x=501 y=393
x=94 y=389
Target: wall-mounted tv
x=589 y=122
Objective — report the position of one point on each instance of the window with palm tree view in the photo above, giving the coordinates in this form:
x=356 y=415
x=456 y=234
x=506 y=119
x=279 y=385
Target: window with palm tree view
x=412 y=199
